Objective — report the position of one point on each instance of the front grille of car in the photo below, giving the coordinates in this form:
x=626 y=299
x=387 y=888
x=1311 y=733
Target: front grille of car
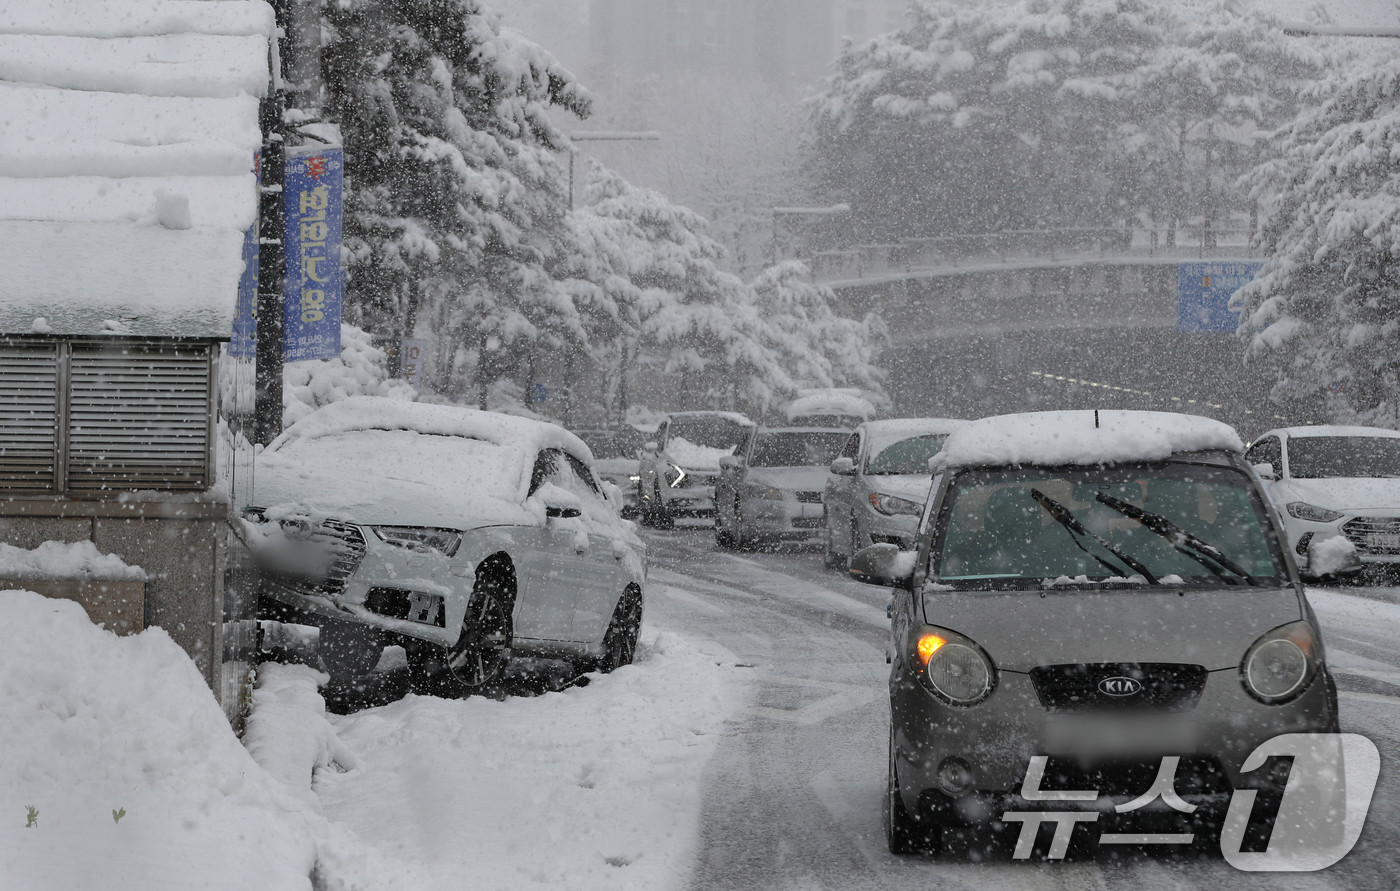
x=1195 y=775
x=1075 y=687
x=346 y=545
x=809 y=497
x=1360 y=530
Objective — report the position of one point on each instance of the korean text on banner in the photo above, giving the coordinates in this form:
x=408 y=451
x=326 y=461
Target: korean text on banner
x=314 y=287
x=1203 y=292
x=244 y=343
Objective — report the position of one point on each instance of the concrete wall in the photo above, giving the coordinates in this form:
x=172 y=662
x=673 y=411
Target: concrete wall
x=184 y=547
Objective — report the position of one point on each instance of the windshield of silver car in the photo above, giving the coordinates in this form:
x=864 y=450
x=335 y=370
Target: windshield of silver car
x=908 y=456
x=1320 y=457
x=1141 y=524
x=709 y=433
x=797 y=449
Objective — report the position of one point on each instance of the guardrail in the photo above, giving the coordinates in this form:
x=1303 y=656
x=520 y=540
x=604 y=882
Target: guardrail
x=911 y=255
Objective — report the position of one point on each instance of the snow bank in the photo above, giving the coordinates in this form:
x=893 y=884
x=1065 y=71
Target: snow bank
x=360 y=370
x=92 y=723
x=591 y=788
x=288 y=734
x=1071 y=437
x=148 y=18
x=59 y=560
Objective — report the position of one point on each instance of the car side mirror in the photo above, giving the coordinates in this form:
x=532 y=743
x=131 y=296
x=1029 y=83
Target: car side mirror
x=1265 y=471
x=561 y=513
x=843 y=466
x=882 y=564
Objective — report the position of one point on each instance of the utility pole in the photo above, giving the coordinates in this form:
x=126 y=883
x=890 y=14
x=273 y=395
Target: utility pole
x=267 y=410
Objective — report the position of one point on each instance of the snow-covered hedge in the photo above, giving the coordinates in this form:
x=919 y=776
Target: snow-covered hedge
x=361 y=370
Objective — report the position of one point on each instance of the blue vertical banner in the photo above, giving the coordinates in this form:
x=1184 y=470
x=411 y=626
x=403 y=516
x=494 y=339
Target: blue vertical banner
x=1203 y=292
x=314 y=289
x=244 y=343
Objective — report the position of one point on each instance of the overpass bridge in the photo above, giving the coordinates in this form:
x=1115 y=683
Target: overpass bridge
x=1095 y=318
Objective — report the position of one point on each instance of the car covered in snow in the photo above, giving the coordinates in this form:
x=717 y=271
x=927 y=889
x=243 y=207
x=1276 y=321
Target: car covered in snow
x=681 y=465
x=878 y=483
x=1334 y=482
x=772 y=490
x=465 y=536
x=1098 y=601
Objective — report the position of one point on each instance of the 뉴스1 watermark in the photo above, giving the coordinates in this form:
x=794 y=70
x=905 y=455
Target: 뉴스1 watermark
x=1324 y=805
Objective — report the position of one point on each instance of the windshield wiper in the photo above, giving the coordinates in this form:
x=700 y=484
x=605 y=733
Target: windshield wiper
x=1067 y=519
x=1182 y=540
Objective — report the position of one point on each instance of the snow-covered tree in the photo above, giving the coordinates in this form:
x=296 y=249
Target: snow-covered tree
x=1325 y=309
x=971 y=119
x=456 y=201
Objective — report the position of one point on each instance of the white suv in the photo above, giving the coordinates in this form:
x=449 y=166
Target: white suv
x=680 y=467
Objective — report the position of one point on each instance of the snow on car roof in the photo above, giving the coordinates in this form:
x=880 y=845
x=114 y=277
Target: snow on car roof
x=890 y=431
x=382 y=461
x=830 y=402
x=1071 y=437
x=380 y=413
x=726 y=415
x=135 y=173
x=1333 y=430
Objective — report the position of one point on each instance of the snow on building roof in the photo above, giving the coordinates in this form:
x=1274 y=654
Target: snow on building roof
x=126 y=183
x=1071 y=437
x=830 y=402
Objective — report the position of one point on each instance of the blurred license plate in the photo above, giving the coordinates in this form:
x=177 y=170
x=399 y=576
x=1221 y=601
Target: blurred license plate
x=1384 y=541
x=1087 y=735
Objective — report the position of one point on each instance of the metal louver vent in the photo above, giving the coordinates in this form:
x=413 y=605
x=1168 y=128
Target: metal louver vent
x=28 y=415
x=138 y=418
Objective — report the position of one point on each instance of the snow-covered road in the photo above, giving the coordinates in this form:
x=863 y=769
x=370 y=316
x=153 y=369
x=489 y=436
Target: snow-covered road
x=792 y=797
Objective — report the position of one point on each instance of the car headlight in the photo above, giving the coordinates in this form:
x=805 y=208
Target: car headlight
x=421 y=540
x=1280 y=665
x=890 y=505
x=765 y=493
x=1304 y=511
x=953 y=667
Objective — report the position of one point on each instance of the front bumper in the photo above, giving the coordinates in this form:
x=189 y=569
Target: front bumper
x=997 y=738
x=790 y=519
x=1376 y=534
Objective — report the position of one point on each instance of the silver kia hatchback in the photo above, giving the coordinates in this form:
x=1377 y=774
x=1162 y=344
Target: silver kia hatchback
x=1097 y=602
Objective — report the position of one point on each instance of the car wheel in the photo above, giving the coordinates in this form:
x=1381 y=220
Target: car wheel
x=905 y=833
x=483 y=646
x=724 y=538
x=855 y=539
x=620 y=641
x=349 y=650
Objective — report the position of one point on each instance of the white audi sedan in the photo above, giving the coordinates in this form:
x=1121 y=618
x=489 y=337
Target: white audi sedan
x=1331 y=482
x=465 y=536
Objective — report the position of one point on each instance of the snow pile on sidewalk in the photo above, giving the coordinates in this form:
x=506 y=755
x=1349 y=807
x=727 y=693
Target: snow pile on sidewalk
x=361 y=370
x=80 y=561
x=595 y=787
x=92 y=723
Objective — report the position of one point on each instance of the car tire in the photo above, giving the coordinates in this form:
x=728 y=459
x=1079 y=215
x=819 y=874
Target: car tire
x=724 y=538
x=904 y=833
x=620 y=640
x=349 y=650
x=483 y=646
x=830 y=559
x=855 y=540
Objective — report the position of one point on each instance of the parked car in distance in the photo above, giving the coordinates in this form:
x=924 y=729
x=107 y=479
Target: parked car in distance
x=1331 y=482
x=1095 y=601
x=465 y=536
x=617 y=459
x=829 y=407
x=772 y=490
x=878 y=484
x=681 y=465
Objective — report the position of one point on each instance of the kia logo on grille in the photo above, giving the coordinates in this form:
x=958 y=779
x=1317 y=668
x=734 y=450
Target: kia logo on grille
x=1120 y=686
